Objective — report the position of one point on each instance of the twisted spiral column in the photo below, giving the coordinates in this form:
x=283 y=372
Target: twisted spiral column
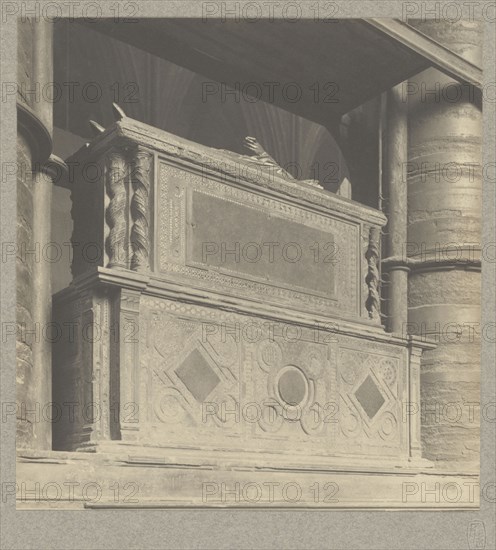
x=140 y=210
x=116 y=210
x=372 y=255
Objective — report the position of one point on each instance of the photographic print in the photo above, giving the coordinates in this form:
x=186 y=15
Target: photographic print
x=247 y=249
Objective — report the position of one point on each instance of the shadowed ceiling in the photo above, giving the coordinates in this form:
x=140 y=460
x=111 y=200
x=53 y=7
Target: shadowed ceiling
x=170 y=97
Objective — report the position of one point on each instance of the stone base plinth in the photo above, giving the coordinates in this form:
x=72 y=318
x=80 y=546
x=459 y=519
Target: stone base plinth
x=130 y=477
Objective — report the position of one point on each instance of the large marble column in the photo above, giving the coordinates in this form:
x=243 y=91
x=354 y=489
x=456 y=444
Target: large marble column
x=444 y=236
x=34 y=146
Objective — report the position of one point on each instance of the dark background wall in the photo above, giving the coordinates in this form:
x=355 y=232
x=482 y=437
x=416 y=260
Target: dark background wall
x=92 y=70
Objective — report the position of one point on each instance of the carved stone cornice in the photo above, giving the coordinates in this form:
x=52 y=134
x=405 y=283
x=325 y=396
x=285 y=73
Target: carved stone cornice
x=157 y=288
x=228 y=166
x=123 y=279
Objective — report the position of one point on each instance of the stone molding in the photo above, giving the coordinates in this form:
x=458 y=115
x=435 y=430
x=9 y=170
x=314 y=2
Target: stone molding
x=37 y=134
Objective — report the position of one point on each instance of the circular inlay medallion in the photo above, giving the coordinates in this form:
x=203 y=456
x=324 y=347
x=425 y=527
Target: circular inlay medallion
x=292 y=386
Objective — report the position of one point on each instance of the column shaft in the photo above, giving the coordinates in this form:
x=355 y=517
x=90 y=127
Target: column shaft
x=34 y=112
x=444 y=210
x=396 y=156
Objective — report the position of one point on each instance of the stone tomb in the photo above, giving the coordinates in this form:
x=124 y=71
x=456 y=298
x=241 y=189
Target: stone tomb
x=222 y=309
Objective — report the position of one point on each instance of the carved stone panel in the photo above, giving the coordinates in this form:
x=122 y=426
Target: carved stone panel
x=372 y=386
x=224 y=381
x=251 y=245
x=187 y=370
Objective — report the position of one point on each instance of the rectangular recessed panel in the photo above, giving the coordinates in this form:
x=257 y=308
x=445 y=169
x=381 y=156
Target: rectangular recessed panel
x=231 y=237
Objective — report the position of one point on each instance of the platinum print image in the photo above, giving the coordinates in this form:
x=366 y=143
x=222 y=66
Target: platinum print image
x=247 y=262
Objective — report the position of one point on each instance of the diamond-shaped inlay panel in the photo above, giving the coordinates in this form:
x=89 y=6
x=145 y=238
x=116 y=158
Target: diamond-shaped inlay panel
x=197 y=375
x=369 y=397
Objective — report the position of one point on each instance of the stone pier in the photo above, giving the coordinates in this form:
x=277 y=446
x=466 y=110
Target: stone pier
x=444 y=240
x=34 y=146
